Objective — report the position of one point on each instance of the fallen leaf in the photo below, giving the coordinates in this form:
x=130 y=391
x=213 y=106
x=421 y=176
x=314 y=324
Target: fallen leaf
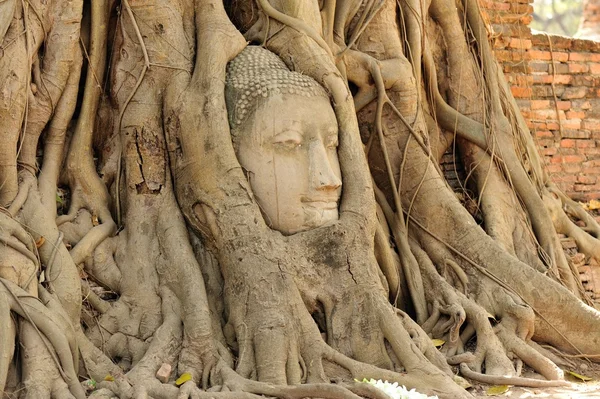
x=594 y=204
x=40 y=242
x=579 y=376
x=496 y=390
x=461 y=382
x=109 y=378
x=183 y=378
x=438 y=342
x=95 y=221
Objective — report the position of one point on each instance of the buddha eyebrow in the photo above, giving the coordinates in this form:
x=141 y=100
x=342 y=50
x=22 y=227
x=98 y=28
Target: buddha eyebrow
x=291 y=122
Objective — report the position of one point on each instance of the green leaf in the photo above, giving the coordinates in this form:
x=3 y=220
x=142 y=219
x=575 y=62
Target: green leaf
x=438 y=342
x=496 y=390
x=185 y=377
x=58 y=199
x=579 y=376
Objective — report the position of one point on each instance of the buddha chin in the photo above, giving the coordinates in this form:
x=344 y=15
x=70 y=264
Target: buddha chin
x=317 y=216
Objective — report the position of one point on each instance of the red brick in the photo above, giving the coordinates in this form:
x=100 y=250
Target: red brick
x=571 y=124
x=552 y=126
x=521 y=92
x=500 y=6
x=494 y=5
x=574 y=92
x=573 y=159
x=545 y=55
x=546 y=142
x=517 y=8
x=592 y=151
x=164 y=373
x=575 y=134
x=536 y=125
x=586 y=179
x=578 y=68
x=578 y=57
x=526 y=19
x=543 y=134
x=523 y=44
x=540 y=104
x=571 y=169
x=583 y=187
x=553 y=168
x=556 y=79
x=549 y=113
x=595 y=69
x=503 y=55
x=591 y=170
x=567 y=143
x=568 y=151
x=564 y=105
x=586 y=144
x=547 y=152
x=591 y=124
x=575 y=114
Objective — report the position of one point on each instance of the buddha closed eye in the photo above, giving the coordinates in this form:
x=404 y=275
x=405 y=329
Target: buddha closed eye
x=287 y=142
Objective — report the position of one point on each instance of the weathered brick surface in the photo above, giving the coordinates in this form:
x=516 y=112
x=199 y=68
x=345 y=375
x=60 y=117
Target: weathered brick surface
x=556 y=82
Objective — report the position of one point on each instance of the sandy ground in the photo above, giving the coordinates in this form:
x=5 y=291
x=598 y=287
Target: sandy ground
x=578 y=389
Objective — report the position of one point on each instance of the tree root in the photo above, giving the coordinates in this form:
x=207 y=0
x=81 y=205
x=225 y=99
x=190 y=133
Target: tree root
x=7 y=339
x=53 y=329
x=502 y=380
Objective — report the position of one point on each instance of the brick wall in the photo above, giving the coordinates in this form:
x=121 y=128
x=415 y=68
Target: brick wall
x=556 y=82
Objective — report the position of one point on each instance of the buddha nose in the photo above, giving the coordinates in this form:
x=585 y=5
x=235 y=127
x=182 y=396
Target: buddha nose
x=322 y=174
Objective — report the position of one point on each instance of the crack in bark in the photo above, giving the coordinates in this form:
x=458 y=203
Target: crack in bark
x=350 y=269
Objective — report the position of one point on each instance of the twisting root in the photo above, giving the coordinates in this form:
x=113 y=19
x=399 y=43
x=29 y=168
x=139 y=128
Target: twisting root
x=7 y=339
x=51 y=326
x=501 y=380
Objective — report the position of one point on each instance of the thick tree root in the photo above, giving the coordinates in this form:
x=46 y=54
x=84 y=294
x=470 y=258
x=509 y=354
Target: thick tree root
x=54 y=328
x=501 y=380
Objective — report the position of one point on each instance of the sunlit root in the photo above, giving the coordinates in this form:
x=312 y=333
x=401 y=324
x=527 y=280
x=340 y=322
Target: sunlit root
x=53 y=327
x=558 y=207
x=502 y=380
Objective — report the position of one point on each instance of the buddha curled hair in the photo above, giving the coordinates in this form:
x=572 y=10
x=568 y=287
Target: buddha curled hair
x=254 y=75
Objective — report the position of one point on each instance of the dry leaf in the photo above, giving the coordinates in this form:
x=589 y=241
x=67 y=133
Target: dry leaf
x=40 y=242
x=594 y=204
x=579 y=376
x=461 y=382
x=496 y=390
x=438 y=342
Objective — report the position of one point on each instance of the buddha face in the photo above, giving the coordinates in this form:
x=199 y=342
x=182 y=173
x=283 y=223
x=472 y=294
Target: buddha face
x=289 y=151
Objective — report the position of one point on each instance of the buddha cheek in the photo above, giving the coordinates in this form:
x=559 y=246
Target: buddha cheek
x=291 y=173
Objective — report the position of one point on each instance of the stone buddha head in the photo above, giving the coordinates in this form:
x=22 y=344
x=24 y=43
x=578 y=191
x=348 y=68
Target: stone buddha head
x=285 y=135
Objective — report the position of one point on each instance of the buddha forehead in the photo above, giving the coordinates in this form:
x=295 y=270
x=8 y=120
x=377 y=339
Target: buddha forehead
x=256 y=76
x=278 y=113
